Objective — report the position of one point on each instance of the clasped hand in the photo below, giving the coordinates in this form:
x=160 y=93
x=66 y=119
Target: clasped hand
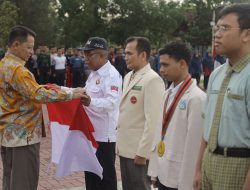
x=78 y=93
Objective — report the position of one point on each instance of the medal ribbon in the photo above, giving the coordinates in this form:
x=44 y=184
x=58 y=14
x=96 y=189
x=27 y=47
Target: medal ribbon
x=173 y=105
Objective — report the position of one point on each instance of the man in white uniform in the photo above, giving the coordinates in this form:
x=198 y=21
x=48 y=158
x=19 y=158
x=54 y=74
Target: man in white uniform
x=176 y=145
x=103 y=88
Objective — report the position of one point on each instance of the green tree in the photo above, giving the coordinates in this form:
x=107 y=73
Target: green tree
x=39 y=15
x=162 y=22
x=81 y=19
x=156 y=20
x=199 y=27
x=8 y=17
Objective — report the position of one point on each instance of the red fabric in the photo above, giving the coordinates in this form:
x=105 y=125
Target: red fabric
x=72 y=113
x=207 y=71
x=68 y=77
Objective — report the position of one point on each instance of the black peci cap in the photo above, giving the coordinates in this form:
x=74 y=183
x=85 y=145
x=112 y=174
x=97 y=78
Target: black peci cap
x=95 y=43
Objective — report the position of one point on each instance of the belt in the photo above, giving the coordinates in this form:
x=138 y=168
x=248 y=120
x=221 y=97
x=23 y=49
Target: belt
x=233 y=152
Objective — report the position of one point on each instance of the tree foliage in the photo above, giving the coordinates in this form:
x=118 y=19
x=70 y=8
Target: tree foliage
x=8 y=18
x=39 y=15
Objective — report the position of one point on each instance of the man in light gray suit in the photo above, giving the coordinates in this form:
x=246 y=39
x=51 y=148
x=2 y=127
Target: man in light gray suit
x=139 y=113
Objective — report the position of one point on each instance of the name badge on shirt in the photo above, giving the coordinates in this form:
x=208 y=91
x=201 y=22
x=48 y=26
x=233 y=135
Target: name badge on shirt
x=138 y=88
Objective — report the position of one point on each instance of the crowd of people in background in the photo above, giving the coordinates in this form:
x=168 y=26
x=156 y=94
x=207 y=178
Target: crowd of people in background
x=66 y=67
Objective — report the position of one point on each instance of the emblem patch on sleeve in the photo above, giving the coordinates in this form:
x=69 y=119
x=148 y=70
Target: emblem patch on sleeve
x=114 y=88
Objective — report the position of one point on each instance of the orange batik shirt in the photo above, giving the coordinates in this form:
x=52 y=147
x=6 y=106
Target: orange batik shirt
x=20 y=103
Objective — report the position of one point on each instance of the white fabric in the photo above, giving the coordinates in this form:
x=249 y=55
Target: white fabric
x=72 y=151
x=172 y=92
x=59 y=62
x=105 y=99
x=182 y=140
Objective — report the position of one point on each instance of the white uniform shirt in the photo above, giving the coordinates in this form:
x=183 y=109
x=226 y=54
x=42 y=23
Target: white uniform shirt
x=52 y=56
x=172 y=92
x=59 y=62
x=104 y=86
x=176 y=167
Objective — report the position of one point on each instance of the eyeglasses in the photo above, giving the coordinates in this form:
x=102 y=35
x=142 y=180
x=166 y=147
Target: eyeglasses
x=89 y=55
x=223 y=29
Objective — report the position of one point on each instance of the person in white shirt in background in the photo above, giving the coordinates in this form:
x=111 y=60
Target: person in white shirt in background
x=103 y=93
x=59 y=62
x=177 y=140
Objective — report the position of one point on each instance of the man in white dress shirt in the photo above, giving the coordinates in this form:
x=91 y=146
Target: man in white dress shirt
x=59 y=61
x=103 y=92
x=176 y=145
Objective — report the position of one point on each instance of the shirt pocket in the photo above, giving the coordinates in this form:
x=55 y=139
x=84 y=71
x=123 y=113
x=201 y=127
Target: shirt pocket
x=214 y=92
x=234 y=105
x=95 y=92
x=235 y=96
x=174 y=156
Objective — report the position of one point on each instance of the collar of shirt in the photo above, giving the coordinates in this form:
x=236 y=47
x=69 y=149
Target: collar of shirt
x=172 y=92
x=15 y=58
x=142 y=70
x=104 y=70
x=241 y=64
x=174 y=89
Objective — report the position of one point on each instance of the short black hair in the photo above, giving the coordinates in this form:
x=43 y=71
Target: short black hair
x=143 y=44
x=177 y=51
x=242 y=10
x=19 y=33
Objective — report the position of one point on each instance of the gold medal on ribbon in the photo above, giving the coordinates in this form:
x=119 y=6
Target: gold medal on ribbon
x=161 y=148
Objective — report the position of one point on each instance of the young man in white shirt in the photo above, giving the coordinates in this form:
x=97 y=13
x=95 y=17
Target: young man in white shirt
x=176 y=144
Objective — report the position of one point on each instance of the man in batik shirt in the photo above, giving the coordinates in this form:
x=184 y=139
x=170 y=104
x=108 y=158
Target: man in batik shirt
x=21 y=112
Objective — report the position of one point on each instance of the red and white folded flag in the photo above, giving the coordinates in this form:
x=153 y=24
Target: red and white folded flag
x=73 y=145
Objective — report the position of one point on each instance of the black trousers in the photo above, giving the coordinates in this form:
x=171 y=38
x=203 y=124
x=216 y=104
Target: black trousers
x=162 y=187
x=197 y=77
x=106 y=156
x=60 y=77
x=78 y=78
x=43 y=76
x=206 y=79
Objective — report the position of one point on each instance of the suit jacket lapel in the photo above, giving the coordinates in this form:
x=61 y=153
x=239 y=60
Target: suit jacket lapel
x=126 y=81
x=131 y=84
x=128 y=85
